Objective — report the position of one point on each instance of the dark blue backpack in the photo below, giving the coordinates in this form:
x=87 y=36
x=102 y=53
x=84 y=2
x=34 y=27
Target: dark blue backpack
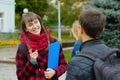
x=106 y=67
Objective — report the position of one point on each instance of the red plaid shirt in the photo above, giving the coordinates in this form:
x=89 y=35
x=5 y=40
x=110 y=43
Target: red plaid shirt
x=27 y=71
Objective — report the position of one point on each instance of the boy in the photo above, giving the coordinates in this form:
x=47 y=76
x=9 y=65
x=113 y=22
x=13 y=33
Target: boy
x=91 y=25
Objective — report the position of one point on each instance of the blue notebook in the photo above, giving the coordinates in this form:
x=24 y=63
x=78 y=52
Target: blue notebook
x=53 y=54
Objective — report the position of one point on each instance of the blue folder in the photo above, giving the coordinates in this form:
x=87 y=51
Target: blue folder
x=53 y=54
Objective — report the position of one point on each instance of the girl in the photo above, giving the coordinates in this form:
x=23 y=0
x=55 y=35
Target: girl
x=77 y=43
x=32 y=53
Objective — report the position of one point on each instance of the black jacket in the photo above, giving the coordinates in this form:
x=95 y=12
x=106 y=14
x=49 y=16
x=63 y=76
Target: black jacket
x=81 y=68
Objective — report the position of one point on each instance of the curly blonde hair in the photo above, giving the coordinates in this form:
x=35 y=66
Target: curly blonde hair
x=75 y=29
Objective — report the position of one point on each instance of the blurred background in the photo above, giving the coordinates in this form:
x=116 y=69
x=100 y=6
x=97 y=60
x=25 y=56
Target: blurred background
x=58 y=16
x=11 y=11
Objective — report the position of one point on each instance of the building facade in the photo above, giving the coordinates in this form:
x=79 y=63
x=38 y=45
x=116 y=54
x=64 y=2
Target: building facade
x=7 y=15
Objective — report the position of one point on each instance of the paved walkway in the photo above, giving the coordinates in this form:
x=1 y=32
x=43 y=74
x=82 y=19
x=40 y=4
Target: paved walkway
x=7 y=64
x=7 y=71
x=7 y=54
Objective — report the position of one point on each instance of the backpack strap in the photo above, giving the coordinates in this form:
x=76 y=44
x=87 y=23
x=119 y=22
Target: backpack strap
x=92 y=57
x=24 y=51
x=87 y=55
x=23 y=48
x=110 y=52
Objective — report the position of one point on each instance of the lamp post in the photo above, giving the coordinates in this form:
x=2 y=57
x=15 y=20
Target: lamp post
x=59 y=22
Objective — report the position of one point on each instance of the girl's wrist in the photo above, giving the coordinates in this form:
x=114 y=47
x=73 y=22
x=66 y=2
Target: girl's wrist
x=33 y=62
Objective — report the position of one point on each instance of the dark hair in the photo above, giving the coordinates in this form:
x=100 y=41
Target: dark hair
x=28 y=17
x=92 y=22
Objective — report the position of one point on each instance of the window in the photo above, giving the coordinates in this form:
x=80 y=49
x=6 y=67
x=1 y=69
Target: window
x=1 y=22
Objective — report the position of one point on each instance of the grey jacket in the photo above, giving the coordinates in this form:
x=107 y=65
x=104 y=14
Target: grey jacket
x=81 y=68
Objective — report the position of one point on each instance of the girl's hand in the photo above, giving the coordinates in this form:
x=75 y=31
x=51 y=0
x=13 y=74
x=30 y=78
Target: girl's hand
x=49 y=73
x=33 y=55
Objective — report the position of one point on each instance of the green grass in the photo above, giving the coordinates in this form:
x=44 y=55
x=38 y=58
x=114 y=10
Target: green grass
x=64 y=36
x=67 y=55
x=9 y=36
